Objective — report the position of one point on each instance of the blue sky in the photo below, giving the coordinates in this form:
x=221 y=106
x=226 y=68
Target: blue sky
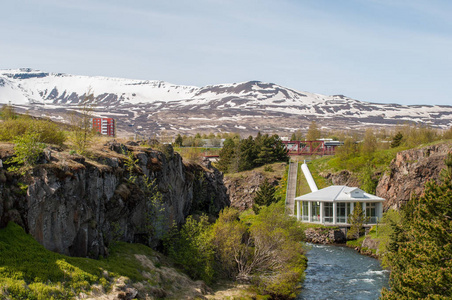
x=389 y=51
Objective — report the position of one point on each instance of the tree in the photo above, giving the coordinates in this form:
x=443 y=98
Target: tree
x=227 y=154
x=82 y=129
x=370 y=142
x=247 y=154
x=397 y=140
x=420 y=253
x=192 y=248
x=264 y=196
x=313 y=133
x=297 y=136
x=368 y=183
x=178 y=141
x=356 y=219
x=27 y=150
x=7 y=112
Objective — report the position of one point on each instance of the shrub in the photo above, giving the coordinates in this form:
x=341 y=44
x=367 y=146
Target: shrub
x=46 y=131
x=27 y=151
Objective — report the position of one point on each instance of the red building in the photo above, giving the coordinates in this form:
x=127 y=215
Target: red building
x=105 y=126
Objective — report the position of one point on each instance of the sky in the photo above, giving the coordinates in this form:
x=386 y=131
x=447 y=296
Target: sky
x=385 y=51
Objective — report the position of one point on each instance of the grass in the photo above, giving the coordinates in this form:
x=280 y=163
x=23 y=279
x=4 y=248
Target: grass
x=358 y=242
x=29 y=271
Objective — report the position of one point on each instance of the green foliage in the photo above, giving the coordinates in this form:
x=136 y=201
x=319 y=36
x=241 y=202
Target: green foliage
x=46 y=131
x=263 y=249
x=420 y=247
x=155 y=209
x=297 y=136
x=192 y=248
x=178 y=141
x=313 y=133
x=368 y=182
x=7 y=113
x=265 y=196
x=241 y=155
x=82 y=133
x=369 y=144
x=29 y=271
x=397 y=140
x=130 y=165
x=356 y=219
x=27 y=150
x=391 y=219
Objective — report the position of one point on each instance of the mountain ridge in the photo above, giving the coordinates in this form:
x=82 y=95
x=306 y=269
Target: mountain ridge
x=153 y=106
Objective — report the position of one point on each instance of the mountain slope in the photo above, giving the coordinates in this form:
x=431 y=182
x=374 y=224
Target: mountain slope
x=152 y=106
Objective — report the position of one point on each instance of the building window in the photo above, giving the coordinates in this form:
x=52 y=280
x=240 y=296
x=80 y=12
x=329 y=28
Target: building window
x=315 y=211
x=305 y=211
x=342 y=212
x=371 y=212
x=328 y=212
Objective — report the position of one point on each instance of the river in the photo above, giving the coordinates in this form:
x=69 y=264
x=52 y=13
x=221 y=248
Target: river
x=339 y=272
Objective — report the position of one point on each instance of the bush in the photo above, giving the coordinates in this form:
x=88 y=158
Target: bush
x=27 y=151
x=46 y=131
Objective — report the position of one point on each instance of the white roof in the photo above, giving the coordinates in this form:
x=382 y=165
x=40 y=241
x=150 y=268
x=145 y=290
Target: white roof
x=340 y=193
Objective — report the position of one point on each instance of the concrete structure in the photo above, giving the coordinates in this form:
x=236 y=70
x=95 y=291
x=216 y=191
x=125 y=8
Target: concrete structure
x=332 y=205
x=105 y=126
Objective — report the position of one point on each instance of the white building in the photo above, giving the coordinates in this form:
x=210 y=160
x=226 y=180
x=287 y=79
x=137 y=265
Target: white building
x=333 y=204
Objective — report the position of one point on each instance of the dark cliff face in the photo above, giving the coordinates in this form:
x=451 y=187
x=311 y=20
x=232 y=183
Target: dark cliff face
x=77 y=206
x=409 y=172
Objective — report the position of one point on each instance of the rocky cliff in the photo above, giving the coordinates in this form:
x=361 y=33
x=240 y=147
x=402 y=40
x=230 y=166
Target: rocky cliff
x=76 y=205
x=242 y=187
x=406 y=175
x=409 y=172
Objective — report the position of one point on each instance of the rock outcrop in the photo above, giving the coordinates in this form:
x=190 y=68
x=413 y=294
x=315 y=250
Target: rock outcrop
x=409 y=172
x=343 y=177
x=77 y=206
x=242 y=189
x=325 y=235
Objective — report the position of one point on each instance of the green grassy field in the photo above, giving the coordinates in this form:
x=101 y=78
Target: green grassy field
x=29 y=271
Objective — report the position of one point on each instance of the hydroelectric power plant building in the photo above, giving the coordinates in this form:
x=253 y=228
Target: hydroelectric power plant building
x=333 y=204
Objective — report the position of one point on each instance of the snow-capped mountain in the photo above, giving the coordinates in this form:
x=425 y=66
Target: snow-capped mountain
x=150 y=106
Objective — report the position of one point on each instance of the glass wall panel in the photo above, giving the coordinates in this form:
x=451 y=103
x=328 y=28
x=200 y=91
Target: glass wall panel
x=371 y=212
x=341 y=212
x=305 y=211
x=328 y=212
x=315 y=211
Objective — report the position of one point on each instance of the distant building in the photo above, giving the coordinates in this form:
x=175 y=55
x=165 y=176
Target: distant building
x=105 y=126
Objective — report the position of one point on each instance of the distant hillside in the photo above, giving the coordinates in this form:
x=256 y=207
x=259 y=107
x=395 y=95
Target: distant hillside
x=150 y=106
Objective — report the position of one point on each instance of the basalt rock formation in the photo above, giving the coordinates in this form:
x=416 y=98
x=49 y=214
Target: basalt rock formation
x=76 y=205
x=409 y=172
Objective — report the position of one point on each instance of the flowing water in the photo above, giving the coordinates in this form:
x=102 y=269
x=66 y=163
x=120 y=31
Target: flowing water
x=338 y=272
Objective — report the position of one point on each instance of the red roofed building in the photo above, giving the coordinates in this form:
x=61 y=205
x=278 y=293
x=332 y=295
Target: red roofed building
x=105 y=126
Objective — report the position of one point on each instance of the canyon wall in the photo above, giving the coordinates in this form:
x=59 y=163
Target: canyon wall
x=77 y=206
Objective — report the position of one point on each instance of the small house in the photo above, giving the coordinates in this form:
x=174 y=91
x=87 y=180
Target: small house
x=333 y=204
